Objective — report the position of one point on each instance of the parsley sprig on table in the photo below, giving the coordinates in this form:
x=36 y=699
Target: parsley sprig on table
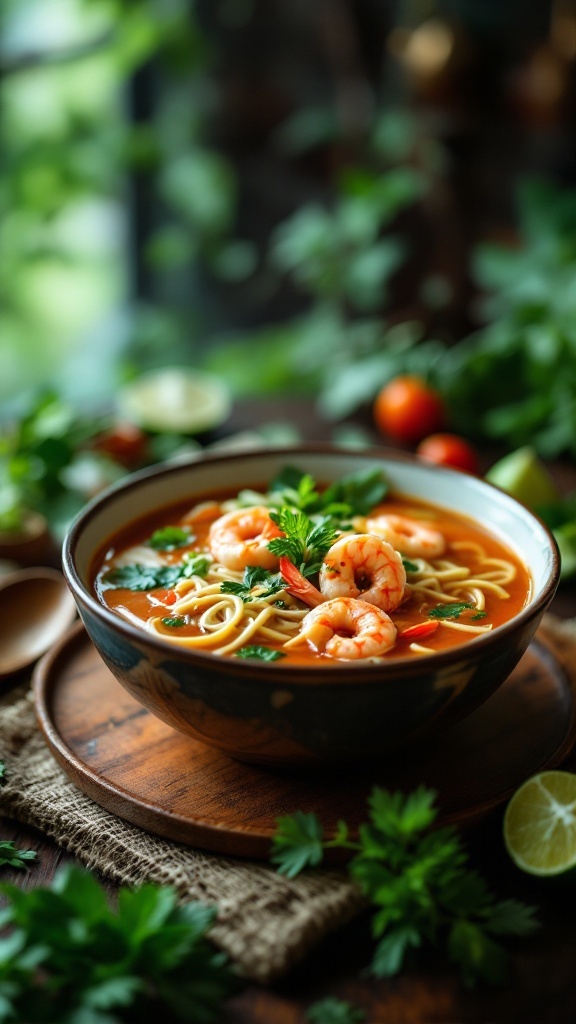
x=418 y=880
x=70 y=957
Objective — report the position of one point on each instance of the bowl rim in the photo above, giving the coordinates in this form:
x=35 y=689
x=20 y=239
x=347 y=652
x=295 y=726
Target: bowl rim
x=371 y=671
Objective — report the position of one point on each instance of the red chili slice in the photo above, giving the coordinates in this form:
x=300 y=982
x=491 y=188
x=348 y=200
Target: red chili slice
x=420 y=629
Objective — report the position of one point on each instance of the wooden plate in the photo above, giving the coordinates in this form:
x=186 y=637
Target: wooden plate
x=143 y=771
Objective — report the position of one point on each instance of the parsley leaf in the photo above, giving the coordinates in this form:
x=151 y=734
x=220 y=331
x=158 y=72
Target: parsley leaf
x=306 y=542
x=450 y=611
x=334 y=1011
x=297 y=843
x=15 y=858
x=170 y=537
x=417 y=878
x=354 y=494
x=254 y=576
x=148 y=959
x=259 y=651
x=150 y=577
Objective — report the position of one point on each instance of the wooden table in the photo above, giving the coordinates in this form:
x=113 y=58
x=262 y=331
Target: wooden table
x=543 y=986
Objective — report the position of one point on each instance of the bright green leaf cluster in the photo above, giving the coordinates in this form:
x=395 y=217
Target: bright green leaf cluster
x=70 y=957
x=417 y=878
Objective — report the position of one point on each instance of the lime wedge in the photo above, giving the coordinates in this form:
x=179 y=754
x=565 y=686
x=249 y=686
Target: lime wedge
x=175 y=400
x=540 y=824
x=524 y=476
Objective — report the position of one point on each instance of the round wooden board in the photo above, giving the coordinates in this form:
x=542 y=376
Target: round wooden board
x=141 y=770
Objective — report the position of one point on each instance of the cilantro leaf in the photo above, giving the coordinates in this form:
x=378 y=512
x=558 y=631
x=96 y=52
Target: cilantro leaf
x=170 y=537
x=174 y=621
x=417 y=879
x=305 y=542
x=254 y=576
x=334 y=1011
x=148 y=959
x=259 y=651
x=359 y=492
x=450 y=611
x=297 y=843
x=141 y=577
x=13 y=857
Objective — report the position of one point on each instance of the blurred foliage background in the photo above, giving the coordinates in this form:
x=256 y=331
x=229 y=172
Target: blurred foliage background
x=301 y=197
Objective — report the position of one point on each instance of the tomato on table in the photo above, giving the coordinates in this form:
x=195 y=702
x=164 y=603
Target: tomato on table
x=407 y=408
x=449 y=450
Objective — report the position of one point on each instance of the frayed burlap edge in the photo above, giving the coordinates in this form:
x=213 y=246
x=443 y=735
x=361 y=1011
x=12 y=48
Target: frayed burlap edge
x=265 y=922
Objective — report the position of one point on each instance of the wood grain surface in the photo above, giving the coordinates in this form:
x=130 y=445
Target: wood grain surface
x=144 y=771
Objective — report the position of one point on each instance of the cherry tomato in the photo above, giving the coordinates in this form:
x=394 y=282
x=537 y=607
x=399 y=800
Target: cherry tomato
x=408 y=409
x=124 y=442
x=449 y=450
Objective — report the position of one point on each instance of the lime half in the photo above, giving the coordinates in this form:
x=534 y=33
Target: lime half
x=523 y=475
x=540 y=824
x=175 y=400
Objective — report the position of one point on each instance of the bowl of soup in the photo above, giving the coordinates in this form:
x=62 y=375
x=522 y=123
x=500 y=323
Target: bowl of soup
x=310 y=603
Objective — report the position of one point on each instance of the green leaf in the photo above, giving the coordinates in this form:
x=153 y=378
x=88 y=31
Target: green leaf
x=306 y=542
x=477 y=956
x=334 y=1011
x=256 y=582
x=297 y=843
x=15 y=858
x=511 y=917
x=260 y=652
x=170 y=537
x=449 y=611
x=389 y=955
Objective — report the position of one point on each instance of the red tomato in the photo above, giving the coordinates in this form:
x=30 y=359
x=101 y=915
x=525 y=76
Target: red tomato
x=408 y=409
x=449 y=450
x=124 y=442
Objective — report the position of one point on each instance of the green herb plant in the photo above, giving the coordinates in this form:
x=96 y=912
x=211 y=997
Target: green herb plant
x=70 y=957
x=419 y=882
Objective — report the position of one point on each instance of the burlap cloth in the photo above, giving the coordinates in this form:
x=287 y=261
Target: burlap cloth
x=265 y=922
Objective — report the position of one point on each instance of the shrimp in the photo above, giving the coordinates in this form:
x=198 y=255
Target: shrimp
x=240 y=538
x=364 y=566
x=347 y=628
x=414 y=539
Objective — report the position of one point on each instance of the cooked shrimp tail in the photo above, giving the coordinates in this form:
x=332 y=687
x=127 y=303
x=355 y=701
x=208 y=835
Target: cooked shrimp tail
x=298 y=585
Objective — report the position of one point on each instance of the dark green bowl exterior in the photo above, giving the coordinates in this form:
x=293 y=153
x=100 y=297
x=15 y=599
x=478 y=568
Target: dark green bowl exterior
x=258 y=714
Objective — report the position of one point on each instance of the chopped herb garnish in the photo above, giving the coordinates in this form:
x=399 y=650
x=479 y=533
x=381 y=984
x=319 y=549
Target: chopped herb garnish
x=143 y=577
x=174 y=621
x=306 y=542
x=478 y=615
x=150 y=577
x=410 y=566
x=170 y=537
x=355 y=494
x=260 y=652
x=254 y=576
x=450 y=611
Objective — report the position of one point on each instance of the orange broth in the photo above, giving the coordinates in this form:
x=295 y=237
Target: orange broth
x=138 y=606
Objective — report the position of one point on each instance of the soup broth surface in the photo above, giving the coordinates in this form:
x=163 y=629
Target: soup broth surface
x=420 y=579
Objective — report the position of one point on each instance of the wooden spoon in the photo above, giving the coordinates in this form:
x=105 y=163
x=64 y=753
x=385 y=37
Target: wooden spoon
x=36 y=607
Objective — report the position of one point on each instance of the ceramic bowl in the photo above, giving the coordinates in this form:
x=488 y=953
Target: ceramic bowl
x=281 y=714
